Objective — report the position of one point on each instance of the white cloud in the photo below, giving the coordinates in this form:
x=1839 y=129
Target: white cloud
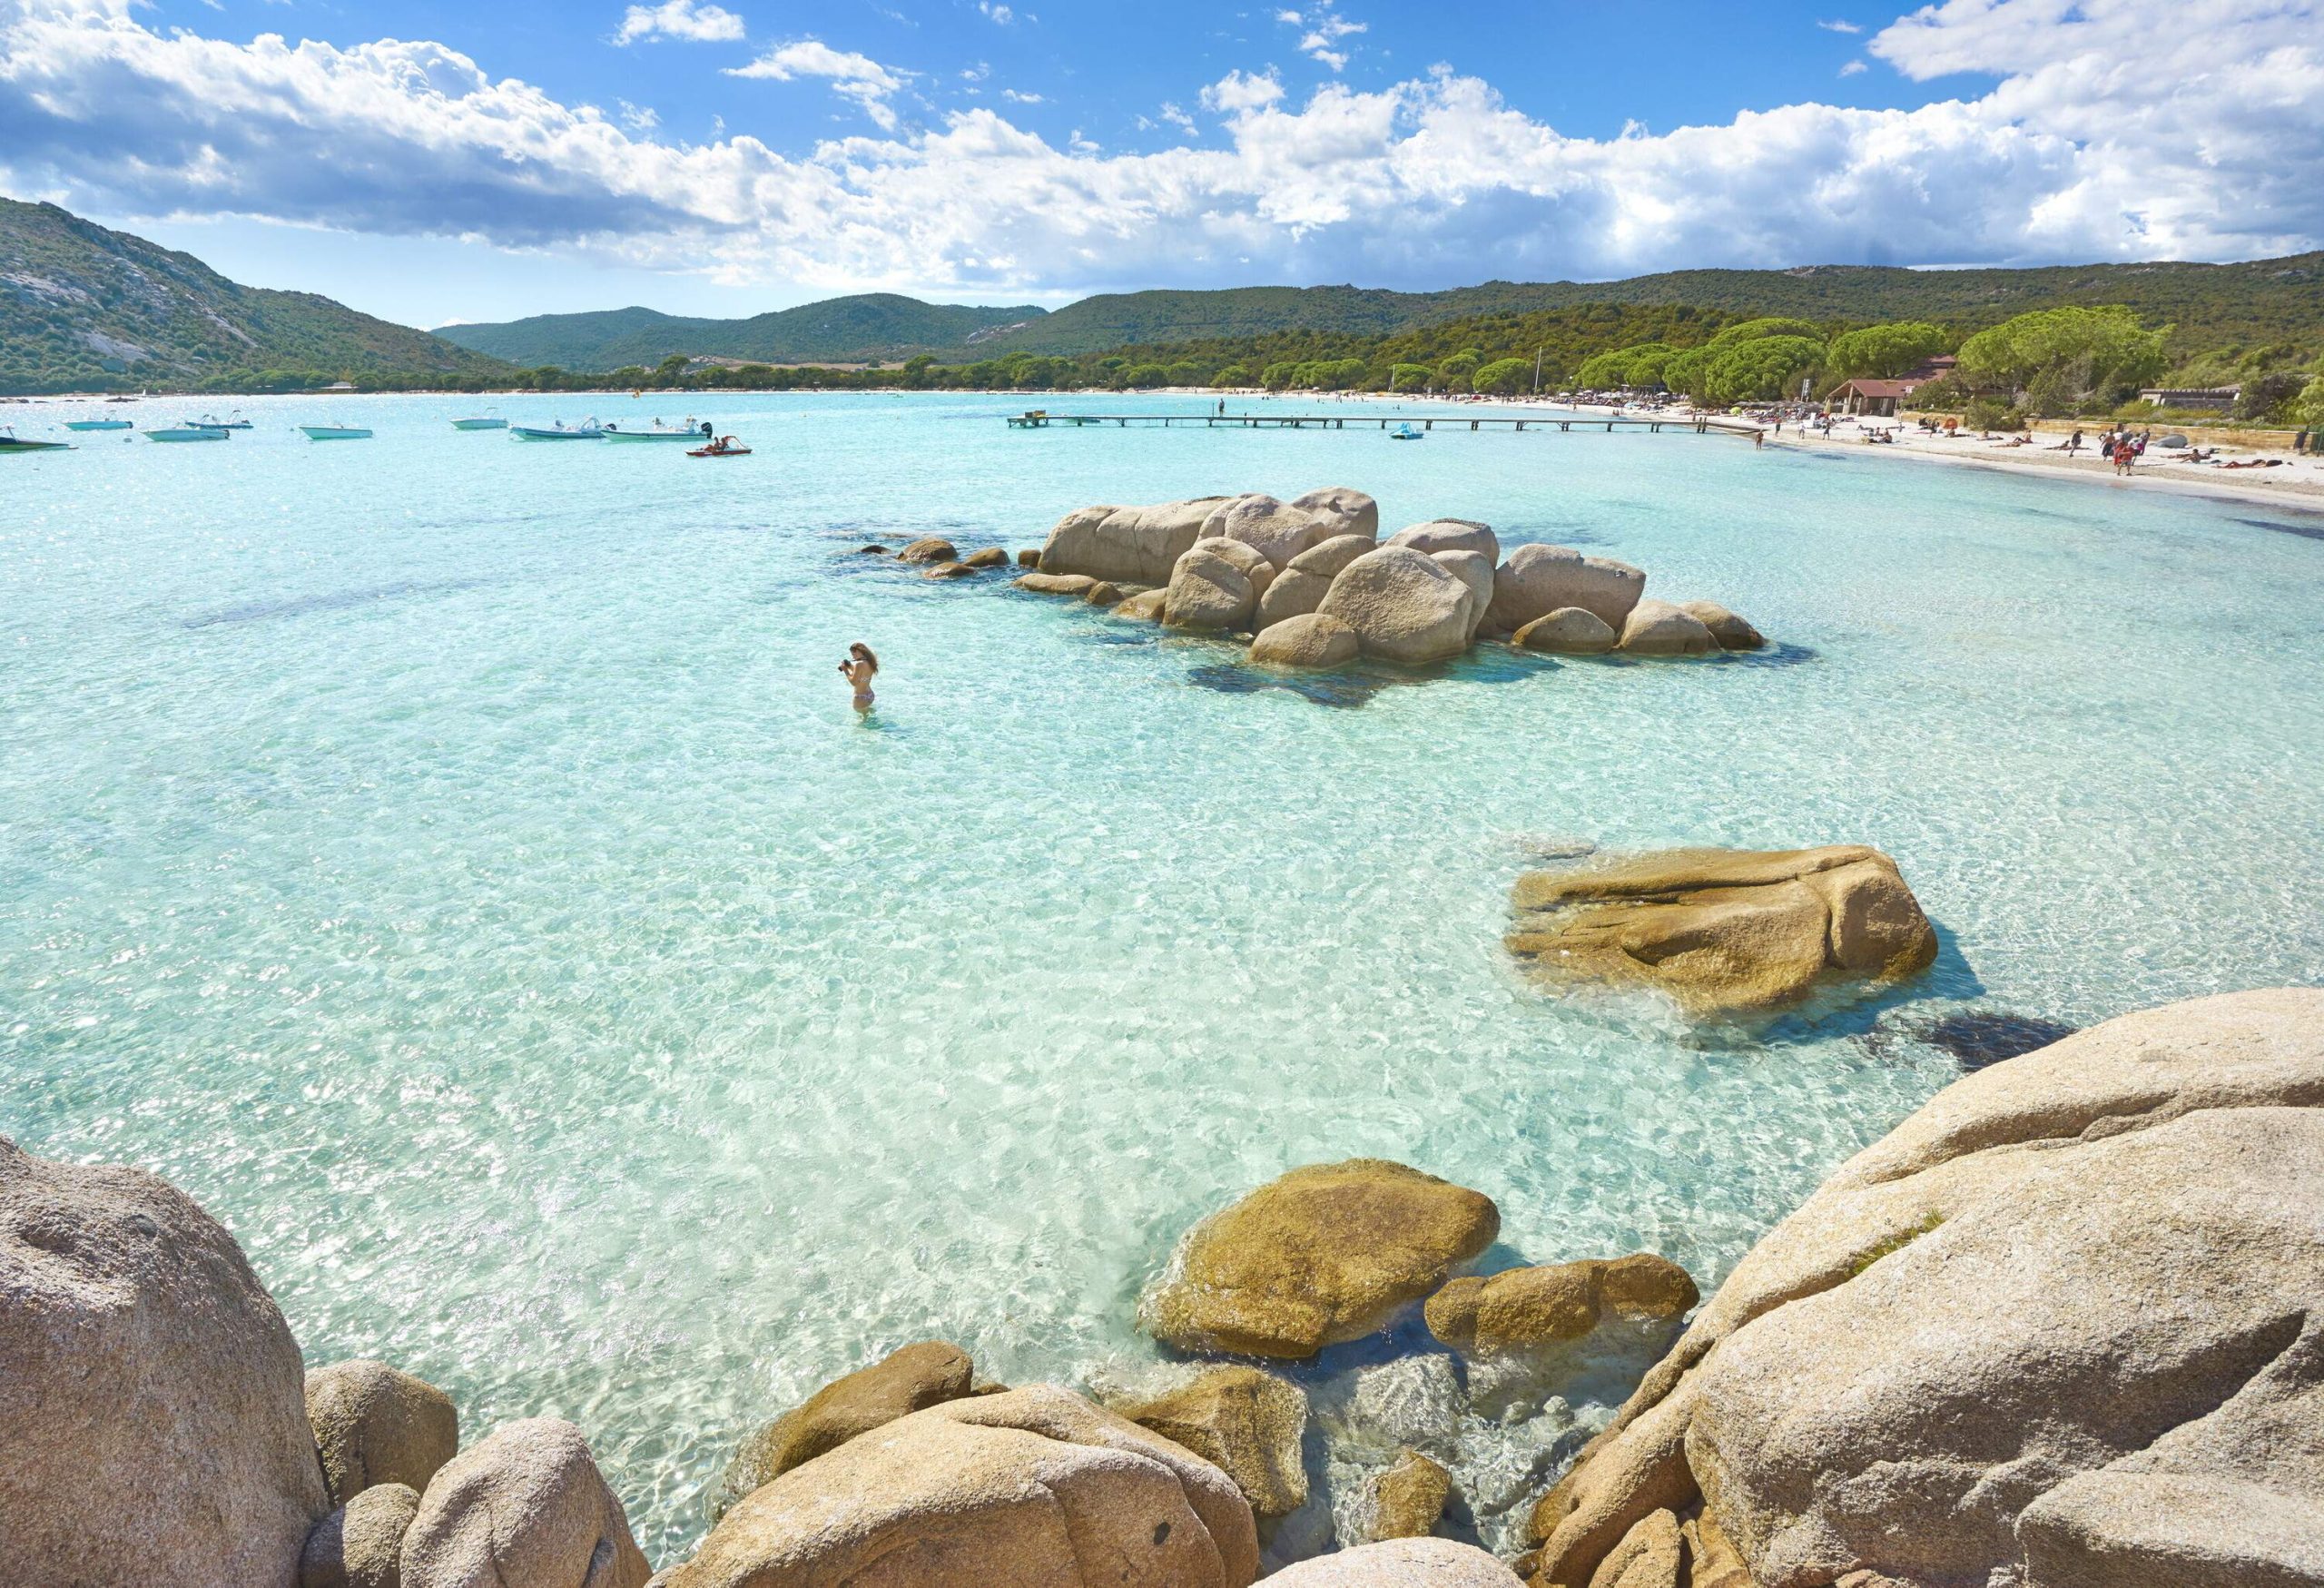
x=1852 y=68
x=1325 y=28
x=680 y=19
x=2119 y=129
x=999 y=14
x=857 y=77
x=637 y=118
x=1839 y=27
x=1240 y=90
x=1177 y=118
x=1014 y=97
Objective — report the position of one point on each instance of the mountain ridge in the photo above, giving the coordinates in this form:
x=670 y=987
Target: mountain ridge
x=863 y=327
x=85 y=307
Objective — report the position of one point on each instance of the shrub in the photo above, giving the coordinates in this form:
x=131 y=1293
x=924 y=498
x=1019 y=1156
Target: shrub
x=1408 y=377
x=1233 y=375
x=1504 y=376
x=1987 y=413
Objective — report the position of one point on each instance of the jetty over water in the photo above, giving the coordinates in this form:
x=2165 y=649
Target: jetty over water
x=1700 y=424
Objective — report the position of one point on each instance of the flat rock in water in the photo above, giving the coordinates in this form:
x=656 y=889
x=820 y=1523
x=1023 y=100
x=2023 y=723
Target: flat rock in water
x=1324 y=1254
x=1980 y=1037
x=903 y=1382
x=1033 y=1486
x=2063 y=1326
x=1724 y=932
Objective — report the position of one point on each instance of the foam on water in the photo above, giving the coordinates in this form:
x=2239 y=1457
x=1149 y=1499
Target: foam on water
x=455 y=863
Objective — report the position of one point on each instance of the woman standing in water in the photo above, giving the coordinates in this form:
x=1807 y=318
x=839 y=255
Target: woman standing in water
x=860 y=667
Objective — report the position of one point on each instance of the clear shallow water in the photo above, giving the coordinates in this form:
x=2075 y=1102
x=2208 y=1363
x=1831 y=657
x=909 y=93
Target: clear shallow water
x=455 y=863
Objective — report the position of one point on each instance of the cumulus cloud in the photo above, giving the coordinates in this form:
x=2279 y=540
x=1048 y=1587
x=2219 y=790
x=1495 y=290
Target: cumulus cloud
x=853 y=77
x=679 y=19
x=1241 y=91
x=2117 y=128
x=1853 y=68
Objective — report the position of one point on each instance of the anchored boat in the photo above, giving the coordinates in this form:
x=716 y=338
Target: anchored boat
x=186 y=433
x=586 y=430
x=101 y=424
x=335 y=433
x=212 y=423
x=658 y=432
x=12 y=442
x=482 y=422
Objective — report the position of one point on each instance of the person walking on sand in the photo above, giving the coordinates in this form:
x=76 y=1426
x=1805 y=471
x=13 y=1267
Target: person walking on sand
x=861 y=668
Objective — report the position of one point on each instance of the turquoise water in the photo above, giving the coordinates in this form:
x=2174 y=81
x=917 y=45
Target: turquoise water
x=455 y=863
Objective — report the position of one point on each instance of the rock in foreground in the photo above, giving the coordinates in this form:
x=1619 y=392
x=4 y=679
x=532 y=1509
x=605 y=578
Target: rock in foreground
x=1325 y=1254
x=1404 y=1562
x=1034 y=1487
x=1314 y=640
x=374 y=1425
x=2064 y=1328
x=1246 y=1423
x=1724 y=932
x=153 y=1419
x=1403 y=603
x=905 y=1381
x=525 y=1505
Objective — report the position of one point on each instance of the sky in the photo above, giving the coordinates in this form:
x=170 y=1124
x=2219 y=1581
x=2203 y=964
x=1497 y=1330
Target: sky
x=431 y=162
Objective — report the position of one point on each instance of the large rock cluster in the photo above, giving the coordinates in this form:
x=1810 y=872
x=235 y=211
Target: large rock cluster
x=1724 y=932
x=156 y=1427
x=2064 y=1328
x=1311 y=584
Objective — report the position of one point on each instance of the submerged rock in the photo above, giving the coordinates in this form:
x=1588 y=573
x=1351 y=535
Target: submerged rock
x=1523 y=1309
x=374 y=1425
x=1247 y=1423
x=1981 y=1037
x=2063 y=1326
x=1409 y=1497
x=1725 y=931
x=1403 y=603
x=525 y=1505
x=1314 y=640
x=1033 y=1486
x=934 y=548
x=1324 y=1254
x=905 y=1381
x=948 y=570
x=1572 y=631
x=989 y=557
x=152 y=1420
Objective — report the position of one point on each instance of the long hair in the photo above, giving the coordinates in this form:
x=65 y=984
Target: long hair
x=859 y=649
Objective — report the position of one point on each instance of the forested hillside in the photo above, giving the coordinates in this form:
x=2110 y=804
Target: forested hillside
x=868 y=328
x=86 y=307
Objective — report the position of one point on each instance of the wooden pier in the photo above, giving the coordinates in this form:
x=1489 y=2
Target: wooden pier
x=1700 y=424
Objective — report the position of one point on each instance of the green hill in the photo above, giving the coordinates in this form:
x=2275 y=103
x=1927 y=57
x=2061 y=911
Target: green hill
x=866 y=328
x=2259 y=301
x=82 y=308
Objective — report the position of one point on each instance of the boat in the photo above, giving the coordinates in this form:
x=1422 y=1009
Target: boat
x=12 y=442
x=216 y=424
x=101 y=424
x=1407 y=433
x=724 y=447
x=481 y=422
x=186 y=433
x=586 y=430
x=658 y=432
x=335 y=433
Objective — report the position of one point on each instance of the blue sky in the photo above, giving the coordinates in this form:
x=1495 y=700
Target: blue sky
x=432 y=162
